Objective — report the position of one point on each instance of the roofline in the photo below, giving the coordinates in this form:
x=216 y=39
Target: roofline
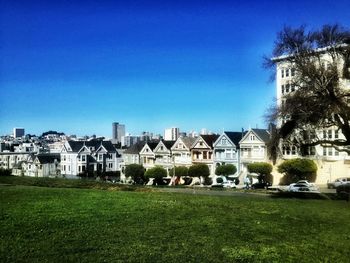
x=318 y=50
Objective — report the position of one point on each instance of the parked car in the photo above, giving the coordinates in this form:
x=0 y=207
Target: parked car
x=220 y=181
x=261 y=185
x=303 y=186
x=337 y=182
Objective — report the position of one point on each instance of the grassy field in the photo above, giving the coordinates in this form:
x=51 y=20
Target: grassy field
x=92 y=225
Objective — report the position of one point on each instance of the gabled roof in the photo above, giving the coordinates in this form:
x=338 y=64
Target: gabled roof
x=135 y=148
x=152 y=144
x=77 y=145
x=168 y=144
x=48 y=158
x=210 y=139
x=188 y=141
x=235 y=137
x=262 y=134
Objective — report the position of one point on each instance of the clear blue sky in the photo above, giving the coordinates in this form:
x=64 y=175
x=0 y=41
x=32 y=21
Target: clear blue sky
x=78 y=66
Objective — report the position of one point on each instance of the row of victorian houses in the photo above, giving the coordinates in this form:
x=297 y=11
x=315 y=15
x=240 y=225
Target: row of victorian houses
x=237 y=148
x=96 y=157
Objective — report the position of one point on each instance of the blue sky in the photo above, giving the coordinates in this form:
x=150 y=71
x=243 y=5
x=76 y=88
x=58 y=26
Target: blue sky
x=78 y=66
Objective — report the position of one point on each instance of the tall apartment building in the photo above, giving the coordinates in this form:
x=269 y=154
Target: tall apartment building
x=18 y=132
x=118 y=130
x=171 y=134
x=331 y=162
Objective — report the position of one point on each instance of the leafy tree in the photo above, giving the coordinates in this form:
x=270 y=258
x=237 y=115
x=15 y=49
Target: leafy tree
x=320 y=62
x=157 y=173
x=225 y=169
x=297 y=169
x=136 y=172
x=198 y=170
x=180 y=171
x=262 y=169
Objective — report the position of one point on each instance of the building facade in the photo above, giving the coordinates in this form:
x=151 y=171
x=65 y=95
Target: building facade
x=171 y=134
x=88 y=157
x=331 y=163
x=118 y=130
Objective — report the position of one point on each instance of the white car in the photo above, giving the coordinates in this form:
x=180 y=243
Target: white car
x=339 y=181
x=221 y=181
x=303 y=186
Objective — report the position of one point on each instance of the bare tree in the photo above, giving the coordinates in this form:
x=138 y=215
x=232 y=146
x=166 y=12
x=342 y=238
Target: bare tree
x=320 y=63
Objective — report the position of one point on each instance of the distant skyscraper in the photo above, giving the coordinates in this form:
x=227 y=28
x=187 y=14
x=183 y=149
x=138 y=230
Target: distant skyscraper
x=171 y=134
x=18 y=132
x=118 y=130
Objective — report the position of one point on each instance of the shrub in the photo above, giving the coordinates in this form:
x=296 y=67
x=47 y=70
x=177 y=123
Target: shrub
x=297 y=169
x=136 y=172
x=180 y=171
x=263 y=170
x=157 y=173
x=225 y=169
x=343 y=191
x=198 y=170
x=5 y=172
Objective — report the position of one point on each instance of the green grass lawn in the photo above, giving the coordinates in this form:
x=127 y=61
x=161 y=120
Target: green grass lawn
x=41 y=224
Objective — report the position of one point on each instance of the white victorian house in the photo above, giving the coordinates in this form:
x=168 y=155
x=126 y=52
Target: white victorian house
x=162 y=154
x=202 y=151
x=253 y=147
x=87 y=157
x=147 y=156
x=181 y=151
x=226 y=149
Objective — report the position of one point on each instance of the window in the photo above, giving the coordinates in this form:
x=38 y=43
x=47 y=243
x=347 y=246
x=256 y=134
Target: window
x=330 y=151
x=294 y=150
x=83 y=158
x=282 y=87
x=324 y=151
x=79 y=168
x=287 y=72
x=64 y=157
x=329 y=134
x=205 y=155
x=223 y=141
x=252 y=137
x=100 y=157
x=336 y=153
x=83 y=168
x=287 y=88
x=324 y=134
x=293 y=72
x=292 y=88
x=282 y=73
x=336 y=134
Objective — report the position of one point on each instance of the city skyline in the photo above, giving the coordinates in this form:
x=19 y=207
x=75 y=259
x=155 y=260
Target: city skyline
x=76 y=67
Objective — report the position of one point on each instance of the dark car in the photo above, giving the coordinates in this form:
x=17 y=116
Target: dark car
x=261 y=185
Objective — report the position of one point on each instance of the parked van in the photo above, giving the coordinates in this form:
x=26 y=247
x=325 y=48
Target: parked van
x=337 y=182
